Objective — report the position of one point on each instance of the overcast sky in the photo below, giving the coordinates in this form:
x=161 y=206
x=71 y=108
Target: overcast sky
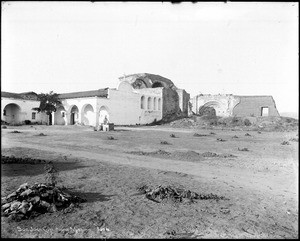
x=229 y=48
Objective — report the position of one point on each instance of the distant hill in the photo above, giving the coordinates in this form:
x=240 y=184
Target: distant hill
x=290 y=114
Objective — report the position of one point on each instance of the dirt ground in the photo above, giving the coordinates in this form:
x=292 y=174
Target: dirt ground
x=261 y=184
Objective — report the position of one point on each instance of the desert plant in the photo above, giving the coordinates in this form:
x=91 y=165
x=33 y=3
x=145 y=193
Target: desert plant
x=165 y=143
x=247 y=122
x=51 y=174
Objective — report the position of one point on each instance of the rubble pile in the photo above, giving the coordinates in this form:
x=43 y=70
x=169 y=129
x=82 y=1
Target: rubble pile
x=20 y=160
x=161 y=193
x=30 y=201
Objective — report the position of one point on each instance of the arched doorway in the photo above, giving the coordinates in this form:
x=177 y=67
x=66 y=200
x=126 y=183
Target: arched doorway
x=88 y=115
x=60 y=117
x=74 y=115
x=218 y=107
x=12 y=113
x=103 y=113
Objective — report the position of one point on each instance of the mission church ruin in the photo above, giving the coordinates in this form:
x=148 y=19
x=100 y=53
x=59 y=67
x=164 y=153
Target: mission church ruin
x=138 y=99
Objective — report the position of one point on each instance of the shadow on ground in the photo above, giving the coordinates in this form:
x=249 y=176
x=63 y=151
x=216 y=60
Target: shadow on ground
x=92 y=196
x=15 y=169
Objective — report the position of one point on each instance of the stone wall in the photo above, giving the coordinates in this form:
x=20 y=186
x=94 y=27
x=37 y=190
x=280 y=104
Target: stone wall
x=170 y=103
x=184 y=99
x=251 y=106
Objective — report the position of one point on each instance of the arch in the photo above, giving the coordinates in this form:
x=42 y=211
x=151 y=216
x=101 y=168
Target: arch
x=12 y=113
x=88 y=115
x=159 y=103
x=74 y=115
x=104 y=112
x=219 y=108
x=149 y=106
x=154 y=103
x=139 y=84
x=60 y=117
x=143 y=100
x=157 y=85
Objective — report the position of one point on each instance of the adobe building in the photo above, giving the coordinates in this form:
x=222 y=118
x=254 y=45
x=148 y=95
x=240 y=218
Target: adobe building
x=236 y=105
x=16 y=108
x=138 y=99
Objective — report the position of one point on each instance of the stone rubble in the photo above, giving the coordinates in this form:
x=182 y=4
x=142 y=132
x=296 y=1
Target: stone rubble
x=30 y=201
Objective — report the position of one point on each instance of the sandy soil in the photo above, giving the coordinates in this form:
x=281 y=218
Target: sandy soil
x=261 y=184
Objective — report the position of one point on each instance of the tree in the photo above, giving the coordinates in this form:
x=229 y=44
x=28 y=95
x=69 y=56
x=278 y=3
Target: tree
x=48 y=103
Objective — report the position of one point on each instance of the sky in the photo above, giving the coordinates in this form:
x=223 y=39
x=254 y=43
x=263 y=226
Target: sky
x=243 y=48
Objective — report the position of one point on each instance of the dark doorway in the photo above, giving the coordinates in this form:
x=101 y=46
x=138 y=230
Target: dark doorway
x=50 y=119
x=72 y=118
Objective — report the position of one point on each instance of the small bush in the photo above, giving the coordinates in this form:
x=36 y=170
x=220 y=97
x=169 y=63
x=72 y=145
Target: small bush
x=173 y=136
x=234 y=120
x=111 y=138
x=199 y=135
x=27 y=122
x=16 y=132
x=165 y=143
x=247 y=122
x=4 y=127
x=243 y=149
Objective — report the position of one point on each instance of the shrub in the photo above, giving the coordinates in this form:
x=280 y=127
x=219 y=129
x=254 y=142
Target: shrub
x=165 y=143
x=234 y=120
x=27 y=122
x=247 y=122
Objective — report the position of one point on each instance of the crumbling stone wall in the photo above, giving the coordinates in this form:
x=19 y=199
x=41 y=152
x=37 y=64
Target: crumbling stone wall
x=223 y=104
x=170 y=106
x=184 y=99
x=251 y=106
x=235 y=105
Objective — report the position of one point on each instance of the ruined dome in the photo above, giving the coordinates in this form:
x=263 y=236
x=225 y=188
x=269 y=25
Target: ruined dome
x=145 y=80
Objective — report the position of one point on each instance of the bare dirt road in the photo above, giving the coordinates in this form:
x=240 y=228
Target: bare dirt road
x=261 y=184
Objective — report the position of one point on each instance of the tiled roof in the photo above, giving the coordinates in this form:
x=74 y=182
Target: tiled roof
x=91 y=93
x=22 y=96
